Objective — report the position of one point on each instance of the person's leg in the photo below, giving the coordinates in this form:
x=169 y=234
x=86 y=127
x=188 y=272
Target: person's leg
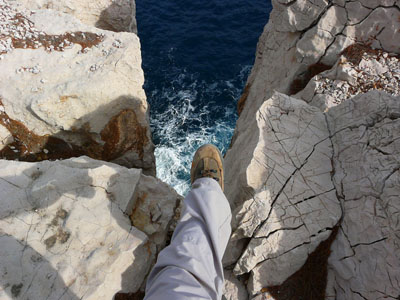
x=190 y=267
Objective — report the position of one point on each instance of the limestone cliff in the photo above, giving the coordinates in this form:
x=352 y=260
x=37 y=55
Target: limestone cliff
x=313 y=172
x=65 y=231
x=69 y=89
x=313 y=169
x=74 y=227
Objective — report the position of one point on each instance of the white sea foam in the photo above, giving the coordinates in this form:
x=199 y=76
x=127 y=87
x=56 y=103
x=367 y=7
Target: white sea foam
x=189 y=121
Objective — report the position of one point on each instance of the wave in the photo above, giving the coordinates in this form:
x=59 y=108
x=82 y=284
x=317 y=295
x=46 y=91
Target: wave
x=188 y=113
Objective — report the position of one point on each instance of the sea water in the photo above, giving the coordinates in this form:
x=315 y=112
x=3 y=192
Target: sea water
x=197 y=56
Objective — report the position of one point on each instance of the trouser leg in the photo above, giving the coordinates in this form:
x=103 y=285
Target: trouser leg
x=190 y=267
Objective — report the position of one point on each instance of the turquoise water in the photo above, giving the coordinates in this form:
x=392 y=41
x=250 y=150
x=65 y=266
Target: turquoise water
x=196 y=59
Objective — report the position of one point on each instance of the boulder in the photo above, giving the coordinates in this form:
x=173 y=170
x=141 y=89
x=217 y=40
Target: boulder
x=295 y=172
x=114 y=15
x=156 y=210
x=379 y=29
x=291 y=205
x=69 y=89
x=328 y=152
x=65 y=231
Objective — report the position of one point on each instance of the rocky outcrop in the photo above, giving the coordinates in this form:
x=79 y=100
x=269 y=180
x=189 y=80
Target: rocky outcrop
x=65 y=231
x=306 y=37
x=365 y=260
x=76 y=228
x=291 y=205
x=358 y=70
x=317 y=141
x=69 y=89
x=312 y=174
x=105 y=14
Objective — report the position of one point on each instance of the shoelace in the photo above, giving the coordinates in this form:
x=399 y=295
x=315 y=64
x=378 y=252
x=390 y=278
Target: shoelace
x=209 y=173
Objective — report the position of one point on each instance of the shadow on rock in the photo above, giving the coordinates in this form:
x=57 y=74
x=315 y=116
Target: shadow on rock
x=26 y=274
x=119 y=16
x=116 y=132
x=148 y=254
x=73 y=213
x=26 y=194
x=283 y=195
x=311 y=280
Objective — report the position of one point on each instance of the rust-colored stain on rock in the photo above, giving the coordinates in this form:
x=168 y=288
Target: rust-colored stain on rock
x=53 y=42
x=57 y=42
x=28 y=146
x=139 y=219
x=67 y=97
x=243 y=98
x=354 y=53
x=148 y=248
x=122 y=134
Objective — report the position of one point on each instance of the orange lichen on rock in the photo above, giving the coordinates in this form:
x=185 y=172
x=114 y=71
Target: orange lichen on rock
x=59 y=42
x=123 y=133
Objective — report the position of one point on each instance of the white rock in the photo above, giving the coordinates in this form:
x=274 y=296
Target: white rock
x=298 y=15
x=379 y=29
x=155 y=208
x=233 y=288
x=105 y=14
x=365 y=257
x=375 y=68
x=262 y=164
x=295 y=51
x=356 y=12
x=65 y=230
x=293 y=205
x=313 y=44
x=374 y=3
x=81 y=107
x=5 y=137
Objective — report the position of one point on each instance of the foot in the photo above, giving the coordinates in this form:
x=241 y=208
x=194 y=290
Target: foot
x=208 y=162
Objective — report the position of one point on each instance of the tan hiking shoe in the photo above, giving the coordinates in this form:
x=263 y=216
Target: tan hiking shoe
x=208 y=162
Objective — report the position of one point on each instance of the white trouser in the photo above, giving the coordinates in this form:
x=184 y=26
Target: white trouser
x=190 y=267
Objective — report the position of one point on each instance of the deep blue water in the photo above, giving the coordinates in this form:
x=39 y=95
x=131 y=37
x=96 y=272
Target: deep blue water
x=196 y=58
